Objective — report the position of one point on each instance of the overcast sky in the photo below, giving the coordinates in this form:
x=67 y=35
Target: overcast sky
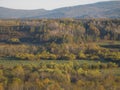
x=43 y=4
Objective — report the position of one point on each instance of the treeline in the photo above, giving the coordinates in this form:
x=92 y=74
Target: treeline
x=59 y=30
x=59 y=52
x=60 y=76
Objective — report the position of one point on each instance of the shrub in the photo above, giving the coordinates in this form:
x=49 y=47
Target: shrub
x=81 y=55
x=14 y=41
x=68 y=57
x=25 y=56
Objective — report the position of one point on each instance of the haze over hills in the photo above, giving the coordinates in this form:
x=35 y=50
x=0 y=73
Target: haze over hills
x=110 y=9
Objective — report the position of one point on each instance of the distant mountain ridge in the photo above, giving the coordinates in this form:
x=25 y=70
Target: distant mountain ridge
x=109 y=9
x=17 y=13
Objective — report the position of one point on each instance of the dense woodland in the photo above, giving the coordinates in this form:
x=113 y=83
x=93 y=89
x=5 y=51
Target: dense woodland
x=59 y=39
x=59 y=31
x=69 y=40
x=60 y=76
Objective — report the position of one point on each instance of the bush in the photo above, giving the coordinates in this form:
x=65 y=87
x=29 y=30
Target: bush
x=81 y=55
x=14 y=41
x=103 y=66
x=94 y=57
x=47 y=56
x=111 y=65
x=25 y=56
x=68 y=57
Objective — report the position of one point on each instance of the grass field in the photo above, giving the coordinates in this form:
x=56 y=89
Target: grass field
x=12 y=63
x=8 y=62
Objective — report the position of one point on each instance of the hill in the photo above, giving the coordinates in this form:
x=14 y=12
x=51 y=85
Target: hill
x=108 y=9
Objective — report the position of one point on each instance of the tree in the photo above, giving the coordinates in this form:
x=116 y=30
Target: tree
x=81 y=55
x=18 y=71
x=93 y=31
x=1 y=86
x=16 y=84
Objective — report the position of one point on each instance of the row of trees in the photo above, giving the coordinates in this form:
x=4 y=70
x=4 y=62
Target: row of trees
x=59 y=52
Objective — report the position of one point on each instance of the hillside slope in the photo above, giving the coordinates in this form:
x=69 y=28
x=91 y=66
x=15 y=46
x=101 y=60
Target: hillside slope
x=109 y=9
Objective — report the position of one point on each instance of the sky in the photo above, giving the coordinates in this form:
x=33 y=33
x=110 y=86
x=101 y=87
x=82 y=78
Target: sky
x=44 y=4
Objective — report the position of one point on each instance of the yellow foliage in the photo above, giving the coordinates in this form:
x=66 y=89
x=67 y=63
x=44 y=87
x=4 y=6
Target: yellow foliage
x=1 y=86
x=46 y=81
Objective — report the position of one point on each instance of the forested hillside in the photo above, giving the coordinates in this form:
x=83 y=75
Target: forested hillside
x=61 y=39
x=60 y=54
x=59 y=30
